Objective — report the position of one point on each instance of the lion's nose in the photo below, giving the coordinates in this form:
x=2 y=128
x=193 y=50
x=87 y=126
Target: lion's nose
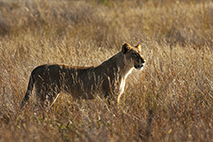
x=143 y=61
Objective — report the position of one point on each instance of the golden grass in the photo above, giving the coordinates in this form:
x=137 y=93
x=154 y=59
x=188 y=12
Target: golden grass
x=171 y=100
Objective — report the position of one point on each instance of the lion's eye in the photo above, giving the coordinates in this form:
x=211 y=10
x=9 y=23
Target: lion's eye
x=135 y=55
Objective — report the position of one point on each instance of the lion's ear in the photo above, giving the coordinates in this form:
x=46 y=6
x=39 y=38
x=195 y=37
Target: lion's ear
x=138 y=47
x=126 y=48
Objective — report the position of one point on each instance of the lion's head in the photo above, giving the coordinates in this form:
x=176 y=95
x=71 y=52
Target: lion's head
x=132 y=56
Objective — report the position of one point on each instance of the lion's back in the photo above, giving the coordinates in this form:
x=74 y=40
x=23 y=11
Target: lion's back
x=58 y=74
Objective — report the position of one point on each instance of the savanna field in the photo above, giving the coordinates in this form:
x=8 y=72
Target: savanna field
x=170 y=100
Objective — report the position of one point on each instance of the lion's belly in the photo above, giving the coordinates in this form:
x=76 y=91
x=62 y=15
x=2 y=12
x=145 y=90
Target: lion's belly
x=85 y=87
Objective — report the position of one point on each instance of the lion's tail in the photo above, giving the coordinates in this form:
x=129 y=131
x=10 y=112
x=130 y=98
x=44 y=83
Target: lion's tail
x=29 y=92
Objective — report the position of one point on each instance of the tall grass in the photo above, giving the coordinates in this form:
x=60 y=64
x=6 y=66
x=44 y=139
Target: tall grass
x=171 y=100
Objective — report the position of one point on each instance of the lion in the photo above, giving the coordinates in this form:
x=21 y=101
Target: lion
x=107 y=79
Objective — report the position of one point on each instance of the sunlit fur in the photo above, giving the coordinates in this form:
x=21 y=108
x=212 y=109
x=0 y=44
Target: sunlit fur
x=106 y=80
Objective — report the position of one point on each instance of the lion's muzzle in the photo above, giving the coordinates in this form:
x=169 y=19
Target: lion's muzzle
x=140 y=65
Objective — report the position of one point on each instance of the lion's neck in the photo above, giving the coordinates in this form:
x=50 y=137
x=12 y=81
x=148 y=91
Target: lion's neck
x=125 y=70
x=117 y=64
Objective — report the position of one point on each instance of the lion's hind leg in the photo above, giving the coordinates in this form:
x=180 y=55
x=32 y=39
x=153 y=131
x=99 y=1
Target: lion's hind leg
x=40 y=92
x=47 y=95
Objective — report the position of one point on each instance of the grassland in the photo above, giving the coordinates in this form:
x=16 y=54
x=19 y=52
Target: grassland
x=170 y=100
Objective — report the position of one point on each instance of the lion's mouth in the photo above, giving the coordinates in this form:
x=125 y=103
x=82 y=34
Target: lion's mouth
x=138 y=66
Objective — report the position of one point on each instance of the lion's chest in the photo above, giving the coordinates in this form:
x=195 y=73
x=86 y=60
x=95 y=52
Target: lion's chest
x=123 y=81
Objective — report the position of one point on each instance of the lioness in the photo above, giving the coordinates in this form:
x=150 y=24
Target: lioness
x=107 y=79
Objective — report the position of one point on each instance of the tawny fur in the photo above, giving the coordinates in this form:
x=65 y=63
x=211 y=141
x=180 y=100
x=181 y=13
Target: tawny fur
x=106 y=80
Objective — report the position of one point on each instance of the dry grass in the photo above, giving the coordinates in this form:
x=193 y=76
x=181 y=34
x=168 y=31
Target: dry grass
x=171 y=100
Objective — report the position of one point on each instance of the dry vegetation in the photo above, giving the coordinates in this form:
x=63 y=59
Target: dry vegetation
x=171 y=100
